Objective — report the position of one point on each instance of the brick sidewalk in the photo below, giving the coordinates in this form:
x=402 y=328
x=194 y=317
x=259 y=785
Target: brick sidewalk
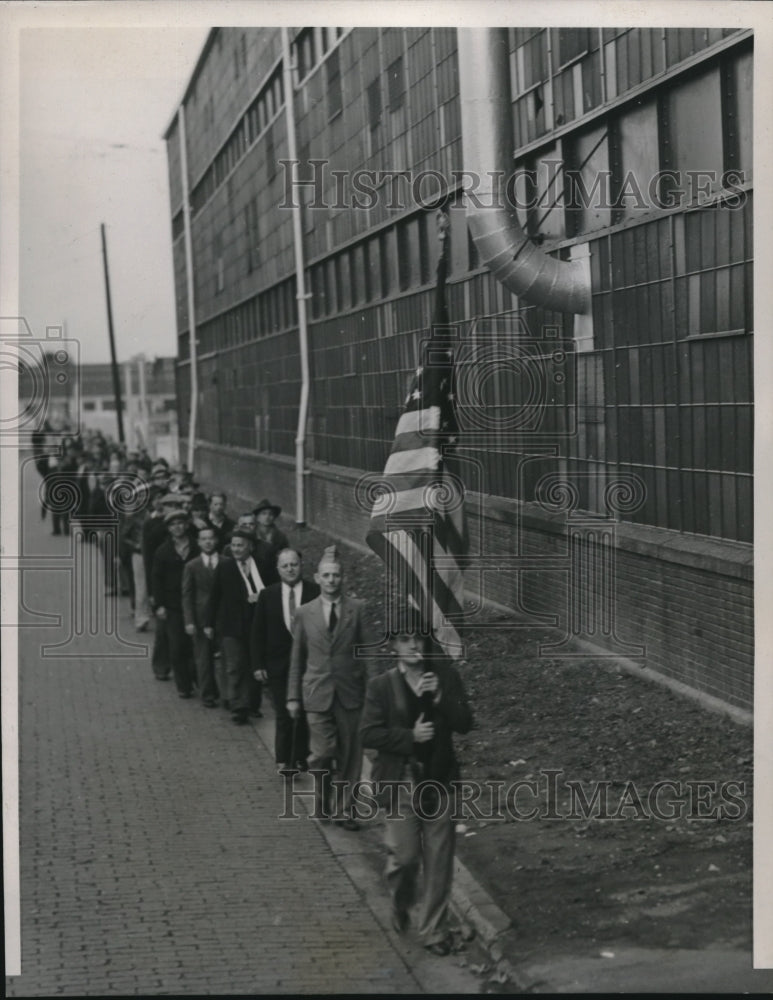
x=151 y=857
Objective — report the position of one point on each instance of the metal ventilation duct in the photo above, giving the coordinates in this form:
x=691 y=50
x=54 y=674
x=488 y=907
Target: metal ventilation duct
x=488 y=144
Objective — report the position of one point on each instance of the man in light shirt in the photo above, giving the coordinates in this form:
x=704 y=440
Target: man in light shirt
x=270 y=650
x=328 y=681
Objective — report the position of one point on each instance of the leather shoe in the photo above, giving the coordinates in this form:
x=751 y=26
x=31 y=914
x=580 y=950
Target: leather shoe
x=209 y=703
x=349 y=824
x=442 y=947
x=240 y=719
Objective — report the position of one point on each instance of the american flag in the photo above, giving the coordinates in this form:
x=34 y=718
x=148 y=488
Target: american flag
x=417 y=522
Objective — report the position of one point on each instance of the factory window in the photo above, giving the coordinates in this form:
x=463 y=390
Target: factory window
x=270 y=153
x=374 y=261
x=305 y=53
x=425 y=221
x=386 y=269
x=691 y=139
x=251 y=220
x=334 y=93
x=367 y=281
x=737 y=113
x=396 y=81
x=217 y=254
x=89 y=404
x=586 y=178
x=374 y=104
x=569 y=44
x=634 y=160
x=403 y=257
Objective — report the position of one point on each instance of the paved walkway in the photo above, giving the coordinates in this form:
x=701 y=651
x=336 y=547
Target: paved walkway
x=152 y=859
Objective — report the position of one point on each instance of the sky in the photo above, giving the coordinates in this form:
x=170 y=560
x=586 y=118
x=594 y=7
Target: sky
x=94 y=103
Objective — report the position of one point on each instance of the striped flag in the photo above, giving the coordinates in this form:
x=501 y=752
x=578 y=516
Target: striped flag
x=417 y=521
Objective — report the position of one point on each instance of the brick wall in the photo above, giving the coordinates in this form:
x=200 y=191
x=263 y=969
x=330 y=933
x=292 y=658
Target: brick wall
x=678 y=605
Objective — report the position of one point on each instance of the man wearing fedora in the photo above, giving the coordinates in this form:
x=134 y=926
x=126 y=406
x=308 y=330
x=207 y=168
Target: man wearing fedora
x=166 y=587
x=267 y=531
x=328 y=680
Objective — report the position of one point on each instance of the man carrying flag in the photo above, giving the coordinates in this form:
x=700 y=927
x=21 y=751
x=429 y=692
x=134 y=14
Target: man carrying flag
x=417 y=521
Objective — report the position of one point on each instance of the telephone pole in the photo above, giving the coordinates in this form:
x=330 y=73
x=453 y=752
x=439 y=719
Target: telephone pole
x=113 y=362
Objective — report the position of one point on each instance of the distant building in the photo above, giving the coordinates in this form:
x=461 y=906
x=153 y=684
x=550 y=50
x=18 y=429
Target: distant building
x=87 y=400
x=619 y=448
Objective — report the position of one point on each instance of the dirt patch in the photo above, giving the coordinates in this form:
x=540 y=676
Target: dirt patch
x=647 y=863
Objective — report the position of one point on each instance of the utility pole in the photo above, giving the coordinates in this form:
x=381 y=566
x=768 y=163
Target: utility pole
x=113 y=362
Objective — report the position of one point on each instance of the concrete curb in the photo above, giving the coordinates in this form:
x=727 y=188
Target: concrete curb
x=473 y=905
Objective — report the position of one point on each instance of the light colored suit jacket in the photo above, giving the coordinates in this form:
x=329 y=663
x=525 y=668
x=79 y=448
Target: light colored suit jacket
x=322 y=664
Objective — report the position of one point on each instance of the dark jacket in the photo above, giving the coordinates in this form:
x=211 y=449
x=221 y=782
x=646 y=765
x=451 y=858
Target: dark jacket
x=167 y=575
x=386 y=727
x=153 y=534
x=198 y=581
x=271 y=642
x=265 y=560
x=229 y=610
x=223 y=532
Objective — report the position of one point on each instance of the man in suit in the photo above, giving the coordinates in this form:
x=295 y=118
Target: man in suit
x=328 y=681
x=270 y=649
x=166 y=586
x=198 y=578
x=235 y=588
x=410 y=713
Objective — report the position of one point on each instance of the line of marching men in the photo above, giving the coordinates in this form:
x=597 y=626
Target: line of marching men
x=234 y=614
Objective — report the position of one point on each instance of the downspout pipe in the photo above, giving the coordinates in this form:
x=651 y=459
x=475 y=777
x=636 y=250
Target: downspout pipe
x=487 y=147
x=192 y=346
x=300 y=287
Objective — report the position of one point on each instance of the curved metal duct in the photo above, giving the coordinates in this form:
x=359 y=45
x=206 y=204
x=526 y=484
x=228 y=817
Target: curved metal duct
x=488 y=144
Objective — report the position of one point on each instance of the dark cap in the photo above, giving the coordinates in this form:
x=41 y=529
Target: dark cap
x=243 y=533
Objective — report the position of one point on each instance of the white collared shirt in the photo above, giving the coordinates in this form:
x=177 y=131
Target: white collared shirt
x=210 y=560
x=297 y=589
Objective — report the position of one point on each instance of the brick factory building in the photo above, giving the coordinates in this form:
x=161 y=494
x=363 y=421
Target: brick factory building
x=604 y=322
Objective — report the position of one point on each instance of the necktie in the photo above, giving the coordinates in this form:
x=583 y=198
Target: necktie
x=332 y=622
x=291 y=607
x=248 y=578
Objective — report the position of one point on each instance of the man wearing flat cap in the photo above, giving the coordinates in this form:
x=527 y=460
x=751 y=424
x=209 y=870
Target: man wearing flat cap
x=328 y=681
x=169 y=561
x=235 y=588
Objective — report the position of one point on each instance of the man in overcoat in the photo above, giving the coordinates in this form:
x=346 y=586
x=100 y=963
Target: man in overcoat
x=270 y=650
x=235 y=588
